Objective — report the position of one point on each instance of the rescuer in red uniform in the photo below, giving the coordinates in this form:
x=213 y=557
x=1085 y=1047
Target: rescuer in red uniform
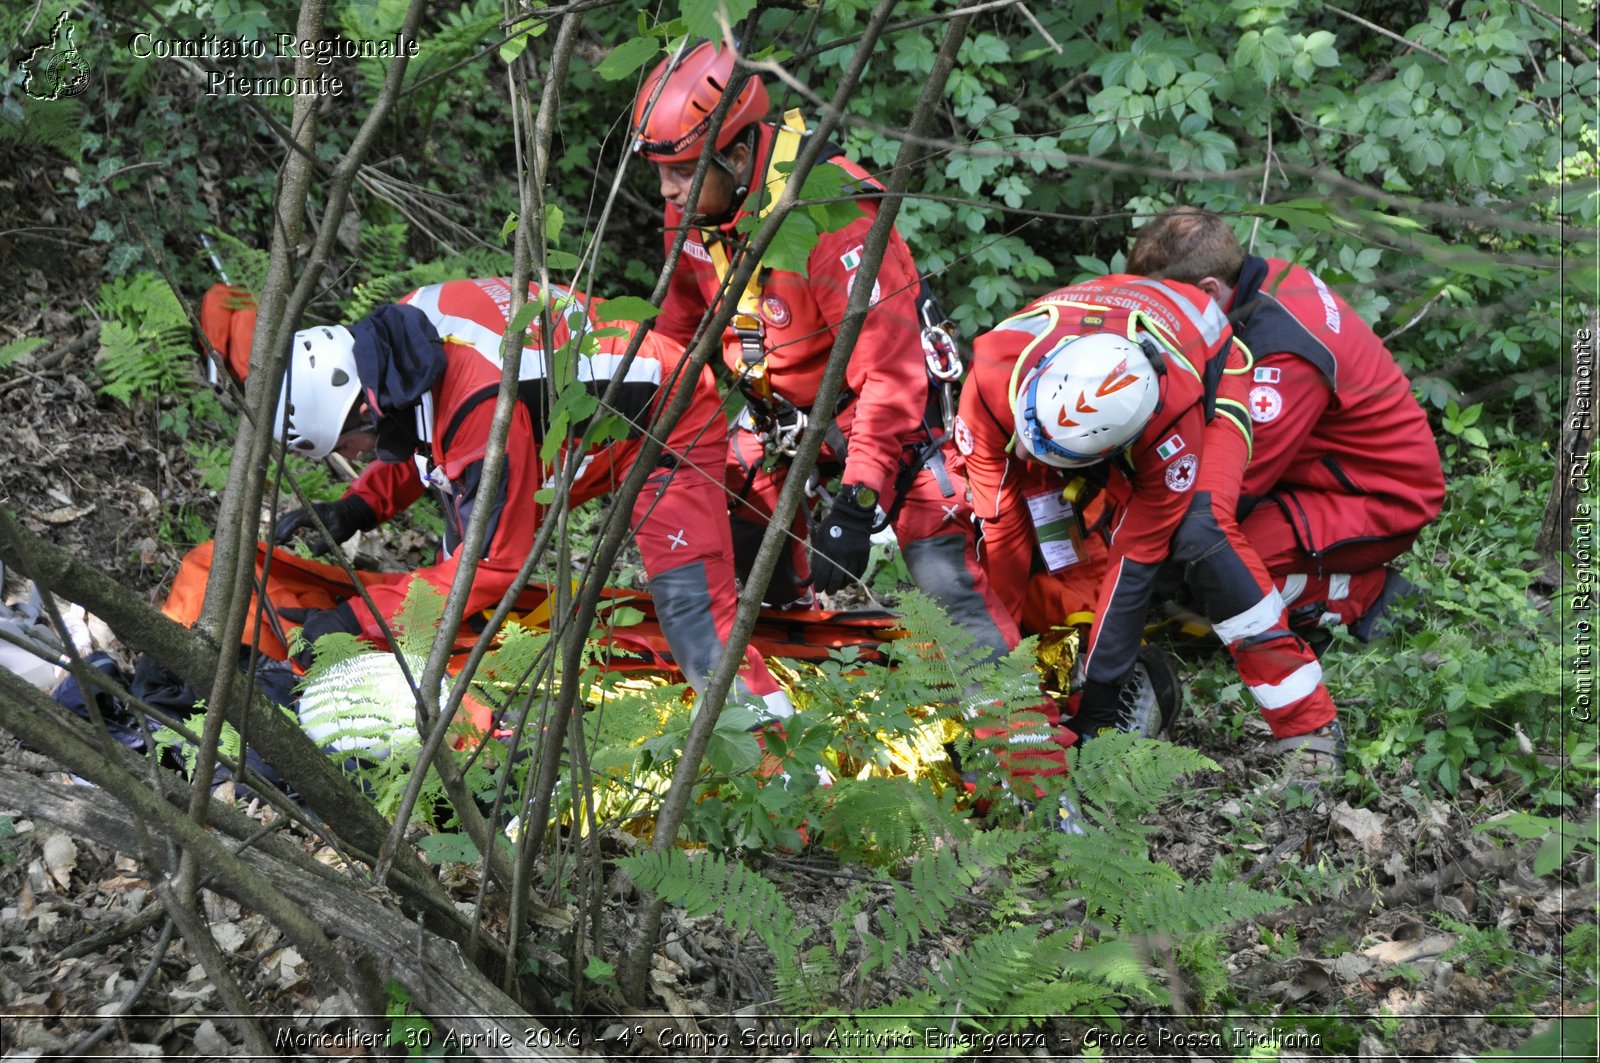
x=1345 y=471
x=1131 y=386
x=883 y=447
x=417 y=382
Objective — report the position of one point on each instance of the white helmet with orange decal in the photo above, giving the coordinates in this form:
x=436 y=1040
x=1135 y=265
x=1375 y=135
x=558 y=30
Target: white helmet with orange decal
x=1087 y=398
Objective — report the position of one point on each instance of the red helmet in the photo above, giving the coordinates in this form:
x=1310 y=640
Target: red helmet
x=676 y=128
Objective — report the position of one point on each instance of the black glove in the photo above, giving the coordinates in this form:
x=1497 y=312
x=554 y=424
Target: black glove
x=343 y=519
x=315 y=623
x=842 y=544
x=1099 y=708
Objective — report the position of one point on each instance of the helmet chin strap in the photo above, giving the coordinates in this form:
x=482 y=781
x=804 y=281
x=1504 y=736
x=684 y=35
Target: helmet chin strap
x=741 y=183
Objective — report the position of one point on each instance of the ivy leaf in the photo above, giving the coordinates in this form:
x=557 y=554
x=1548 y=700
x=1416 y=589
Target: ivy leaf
x=704 y=18
x=598 y=970
x=627 y=57
x=625 y=308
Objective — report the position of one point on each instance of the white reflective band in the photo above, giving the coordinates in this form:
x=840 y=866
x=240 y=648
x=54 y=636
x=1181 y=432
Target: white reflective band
x=1034 y=324
x=1262 y=616
x=486 y=341
x=778 y=705
x=1210 y=322
x=604 y=367
x=1293 y=586
x=1300 y=683
x=1338 y=586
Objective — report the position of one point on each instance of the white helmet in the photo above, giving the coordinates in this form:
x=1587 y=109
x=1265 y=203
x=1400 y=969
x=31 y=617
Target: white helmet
x=1085 y=400
x=319 y=392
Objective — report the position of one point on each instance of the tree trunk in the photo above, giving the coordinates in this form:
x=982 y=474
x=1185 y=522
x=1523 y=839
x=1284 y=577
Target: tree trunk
x=446 y=988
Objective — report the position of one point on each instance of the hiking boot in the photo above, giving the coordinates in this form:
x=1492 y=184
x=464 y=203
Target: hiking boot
x=1316 y=757
x=1378 y=620
x=1151 y=697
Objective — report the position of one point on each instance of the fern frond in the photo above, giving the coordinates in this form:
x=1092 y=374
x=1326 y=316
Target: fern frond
x=806 y=984
x=1182 y=908
x=1112 y=963
x=709 y=884
x=354 y=699
x=246 y=266
x=882 y=820
x=56 y=126
x=1541 y=677
x=986 y=973
x=1127 y=775
x=145 y=347
x=938 y=882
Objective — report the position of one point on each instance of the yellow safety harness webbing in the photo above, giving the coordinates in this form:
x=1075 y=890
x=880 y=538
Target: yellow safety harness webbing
x=747 y=318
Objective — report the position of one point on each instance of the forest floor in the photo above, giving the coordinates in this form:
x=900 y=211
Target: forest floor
x=1413 y=936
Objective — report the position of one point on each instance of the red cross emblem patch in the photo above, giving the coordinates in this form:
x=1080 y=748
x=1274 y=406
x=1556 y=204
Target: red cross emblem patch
x=1265 y=403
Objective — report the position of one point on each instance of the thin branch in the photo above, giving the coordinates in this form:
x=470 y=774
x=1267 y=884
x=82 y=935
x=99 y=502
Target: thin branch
x=1588 y=41
x=1391 y=34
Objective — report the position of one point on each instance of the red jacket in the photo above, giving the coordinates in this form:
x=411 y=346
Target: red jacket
x=1333 y=412
x=802 y=314
x=1148 y=486
x=449 y=423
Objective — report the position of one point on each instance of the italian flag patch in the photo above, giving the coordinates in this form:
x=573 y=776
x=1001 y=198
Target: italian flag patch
x=1169 y=448
x=851 y=258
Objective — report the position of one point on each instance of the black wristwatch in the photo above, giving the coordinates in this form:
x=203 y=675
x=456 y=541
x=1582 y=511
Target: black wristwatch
x=859 y=496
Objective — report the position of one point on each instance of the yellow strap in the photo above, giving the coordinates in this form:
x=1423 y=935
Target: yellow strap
x=785 y=147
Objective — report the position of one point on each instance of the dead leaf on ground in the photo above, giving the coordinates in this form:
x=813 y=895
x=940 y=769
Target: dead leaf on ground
x=1411 y=951
x=60 y=858
x=63 y=515
x=1364 y=825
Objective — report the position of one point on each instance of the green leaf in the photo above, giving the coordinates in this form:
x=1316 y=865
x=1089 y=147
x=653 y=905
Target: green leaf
x=704 y=18
x=517 y=44
x=554 y=219
x=1310 y=214
x=598 y=970
x=1552 y=851
x=524 y=317
x=829 y=182
x=733 y=748
x=791 y=247
x=17 y=350
x=627 y=57
x=449 y=849
x=509 y=226
x=625 y=308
